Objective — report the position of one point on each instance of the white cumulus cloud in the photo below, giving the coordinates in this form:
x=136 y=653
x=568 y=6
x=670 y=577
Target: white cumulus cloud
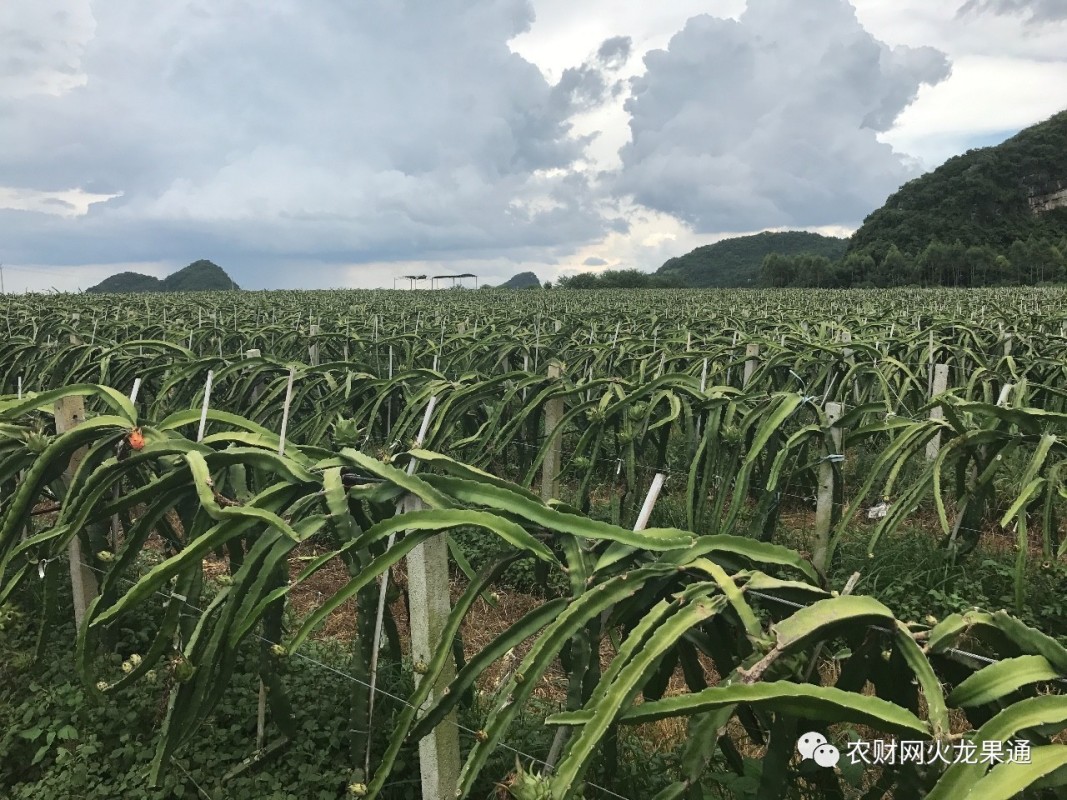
x=771 y=119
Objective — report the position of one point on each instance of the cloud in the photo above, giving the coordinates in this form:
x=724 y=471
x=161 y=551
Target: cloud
x=615 y=52
x=771 y=119
x=316 y=136
x=957 y=115
x=65 y=204
x=1034 y=10
x=371 y=131
x=593 y=261
x=41 y=46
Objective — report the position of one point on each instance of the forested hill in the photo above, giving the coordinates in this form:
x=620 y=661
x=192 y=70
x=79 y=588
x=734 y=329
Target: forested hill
x=989 y=197
x=523 y=280
x=737 y=261
x=200 y=276
x=994 y=216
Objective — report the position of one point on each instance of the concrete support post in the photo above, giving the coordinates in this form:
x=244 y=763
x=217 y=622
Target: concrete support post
x=69 y=413
x=428 y=597
x=824 y=510
x=550 y=466
x=751 y=362
x=933 y=447
x=313 y=349
x=257 y=389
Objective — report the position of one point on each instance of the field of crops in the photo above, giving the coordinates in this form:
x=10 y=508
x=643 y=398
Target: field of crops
x=234 y=446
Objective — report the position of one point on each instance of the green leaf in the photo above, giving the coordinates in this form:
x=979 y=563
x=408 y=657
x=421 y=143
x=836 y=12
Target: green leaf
x=821 y=617
x=1001 y=678
x=503 y=500
x=1006 y=781
x=621 y=691
x=936 y=710
x=802 y=699
x=1034 y=712
x=788 y=403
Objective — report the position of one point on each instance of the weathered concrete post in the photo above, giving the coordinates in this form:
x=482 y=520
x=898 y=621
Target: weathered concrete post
x=933 y=447
x=850 y=359
x=428 y=598
x=69 y=413
x=751 y=361
x=553 y=457
x=313 y=349
x=257 y=390
x=824 y=508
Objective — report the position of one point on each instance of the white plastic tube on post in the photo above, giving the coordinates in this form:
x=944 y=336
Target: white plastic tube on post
x=285 y=411
x=650 y=501
x=204 y=406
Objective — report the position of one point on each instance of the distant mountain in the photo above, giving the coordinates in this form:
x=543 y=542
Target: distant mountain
x=736 y=262
x=200 y=276
x=128 y=282
x=524 y=280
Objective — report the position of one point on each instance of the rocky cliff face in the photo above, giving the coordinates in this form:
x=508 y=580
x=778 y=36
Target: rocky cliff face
x=1046 y=201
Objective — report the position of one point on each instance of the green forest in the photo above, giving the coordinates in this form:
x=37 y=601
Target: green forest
x=736 y=262
x=619 y=279
x=1033 y=261
x=995 y=216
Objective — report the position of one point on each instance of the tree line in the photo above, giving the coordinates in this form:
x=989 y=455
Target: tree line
x=618 y=279
x=1026 y=262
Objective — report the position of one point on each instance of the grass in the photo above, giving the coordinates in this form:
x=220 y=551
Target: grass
x=916 y=577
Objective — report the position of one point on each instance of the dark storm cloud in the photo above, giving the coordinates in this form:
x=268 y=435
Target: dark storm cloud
x=772 y=119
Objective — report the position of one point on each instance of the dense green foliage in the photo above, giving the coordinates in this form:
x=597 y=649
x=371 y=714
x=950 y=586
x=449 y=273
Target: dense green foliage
x=715 y=616
x=618 y=279
x=736 y=262
x=58 y=740
x=200 y=276
x=128 y=282
x=523 y=280
x=995 y=216
x=1034 y=261
x=980 y=199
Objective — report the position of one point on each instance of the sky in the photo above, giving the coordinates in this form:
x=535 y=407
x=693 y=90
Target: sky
x=322 y=143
